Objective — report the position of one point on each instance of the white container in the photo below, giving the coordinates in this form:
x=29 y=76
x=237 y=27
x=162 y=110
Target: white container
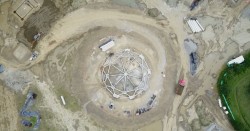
x=219 y=100
x=107 y=45
x=63 y=101
x=237 y=60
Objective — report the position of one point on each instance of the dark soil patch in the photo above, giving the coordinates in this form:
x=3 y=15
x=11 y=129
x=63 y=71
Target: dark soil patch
x=41 y=20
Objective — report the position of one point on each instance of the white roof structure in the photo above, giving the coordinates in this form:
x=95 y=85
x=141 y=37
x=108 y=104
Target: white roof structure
x=237 y=60
x=26 y=8
x=195 y=26
x=107 y=45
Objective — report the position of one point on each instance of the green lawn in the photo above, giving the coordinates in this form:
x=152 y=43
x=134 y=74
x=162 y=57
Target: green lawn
x=234 y=84
x=238 y=98
x=243 y=95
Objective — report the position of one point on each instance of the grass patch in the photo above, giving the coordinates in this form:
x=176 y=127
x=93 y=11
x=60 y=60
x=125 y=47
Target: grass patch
x=33 y=120
x=70 y=100
x=234 y=84
x=47 y=121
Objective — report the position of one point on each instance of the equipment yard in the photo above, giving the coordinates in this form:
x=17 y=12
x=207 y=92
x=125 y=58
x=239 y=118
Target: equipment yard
x=144 y=65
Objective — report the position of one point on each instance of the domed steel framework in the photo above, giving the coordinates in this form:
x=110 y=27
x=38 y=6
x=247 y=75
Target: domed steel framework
x=125 y=73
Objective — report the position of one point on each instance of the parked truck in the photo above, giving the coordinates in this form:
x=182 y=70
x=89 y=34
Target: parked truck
x=180 y=87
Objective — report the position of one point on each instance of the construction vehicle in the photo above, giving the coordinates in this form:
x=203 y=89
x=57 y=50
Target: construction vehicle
x=180 y=87
x=34 y=55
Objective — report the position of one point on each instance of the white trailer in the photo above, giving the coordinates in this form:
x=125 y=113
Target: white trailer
x=237 y=60
x=107 y=45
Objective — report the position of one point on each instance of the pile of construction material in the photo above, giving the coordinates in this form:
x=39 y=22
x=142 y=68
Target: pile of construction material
x=147 y=108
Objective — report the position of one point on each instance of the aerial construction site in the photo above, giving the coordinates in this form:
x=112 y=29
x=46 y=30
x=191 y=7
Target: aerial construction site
x=129 y=65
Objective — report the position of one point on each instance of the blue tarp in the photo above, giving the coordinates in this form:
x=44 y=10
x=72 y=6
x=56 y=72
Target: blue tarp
x=1 y=68
x=193 y=62
x=25 y=113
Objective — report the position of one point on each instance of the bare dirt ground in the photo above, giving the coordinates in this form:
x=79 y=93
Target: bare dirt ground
x=8 y=109
x=69 y=62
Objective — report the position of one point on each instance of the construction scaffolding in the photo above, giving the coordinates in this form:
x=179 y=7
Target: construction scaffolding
x=125 y=73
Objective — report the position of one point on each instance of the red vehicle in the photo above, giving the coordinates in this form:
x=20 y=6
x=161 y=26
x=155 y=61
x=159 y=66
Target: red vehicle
x=179 y=89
